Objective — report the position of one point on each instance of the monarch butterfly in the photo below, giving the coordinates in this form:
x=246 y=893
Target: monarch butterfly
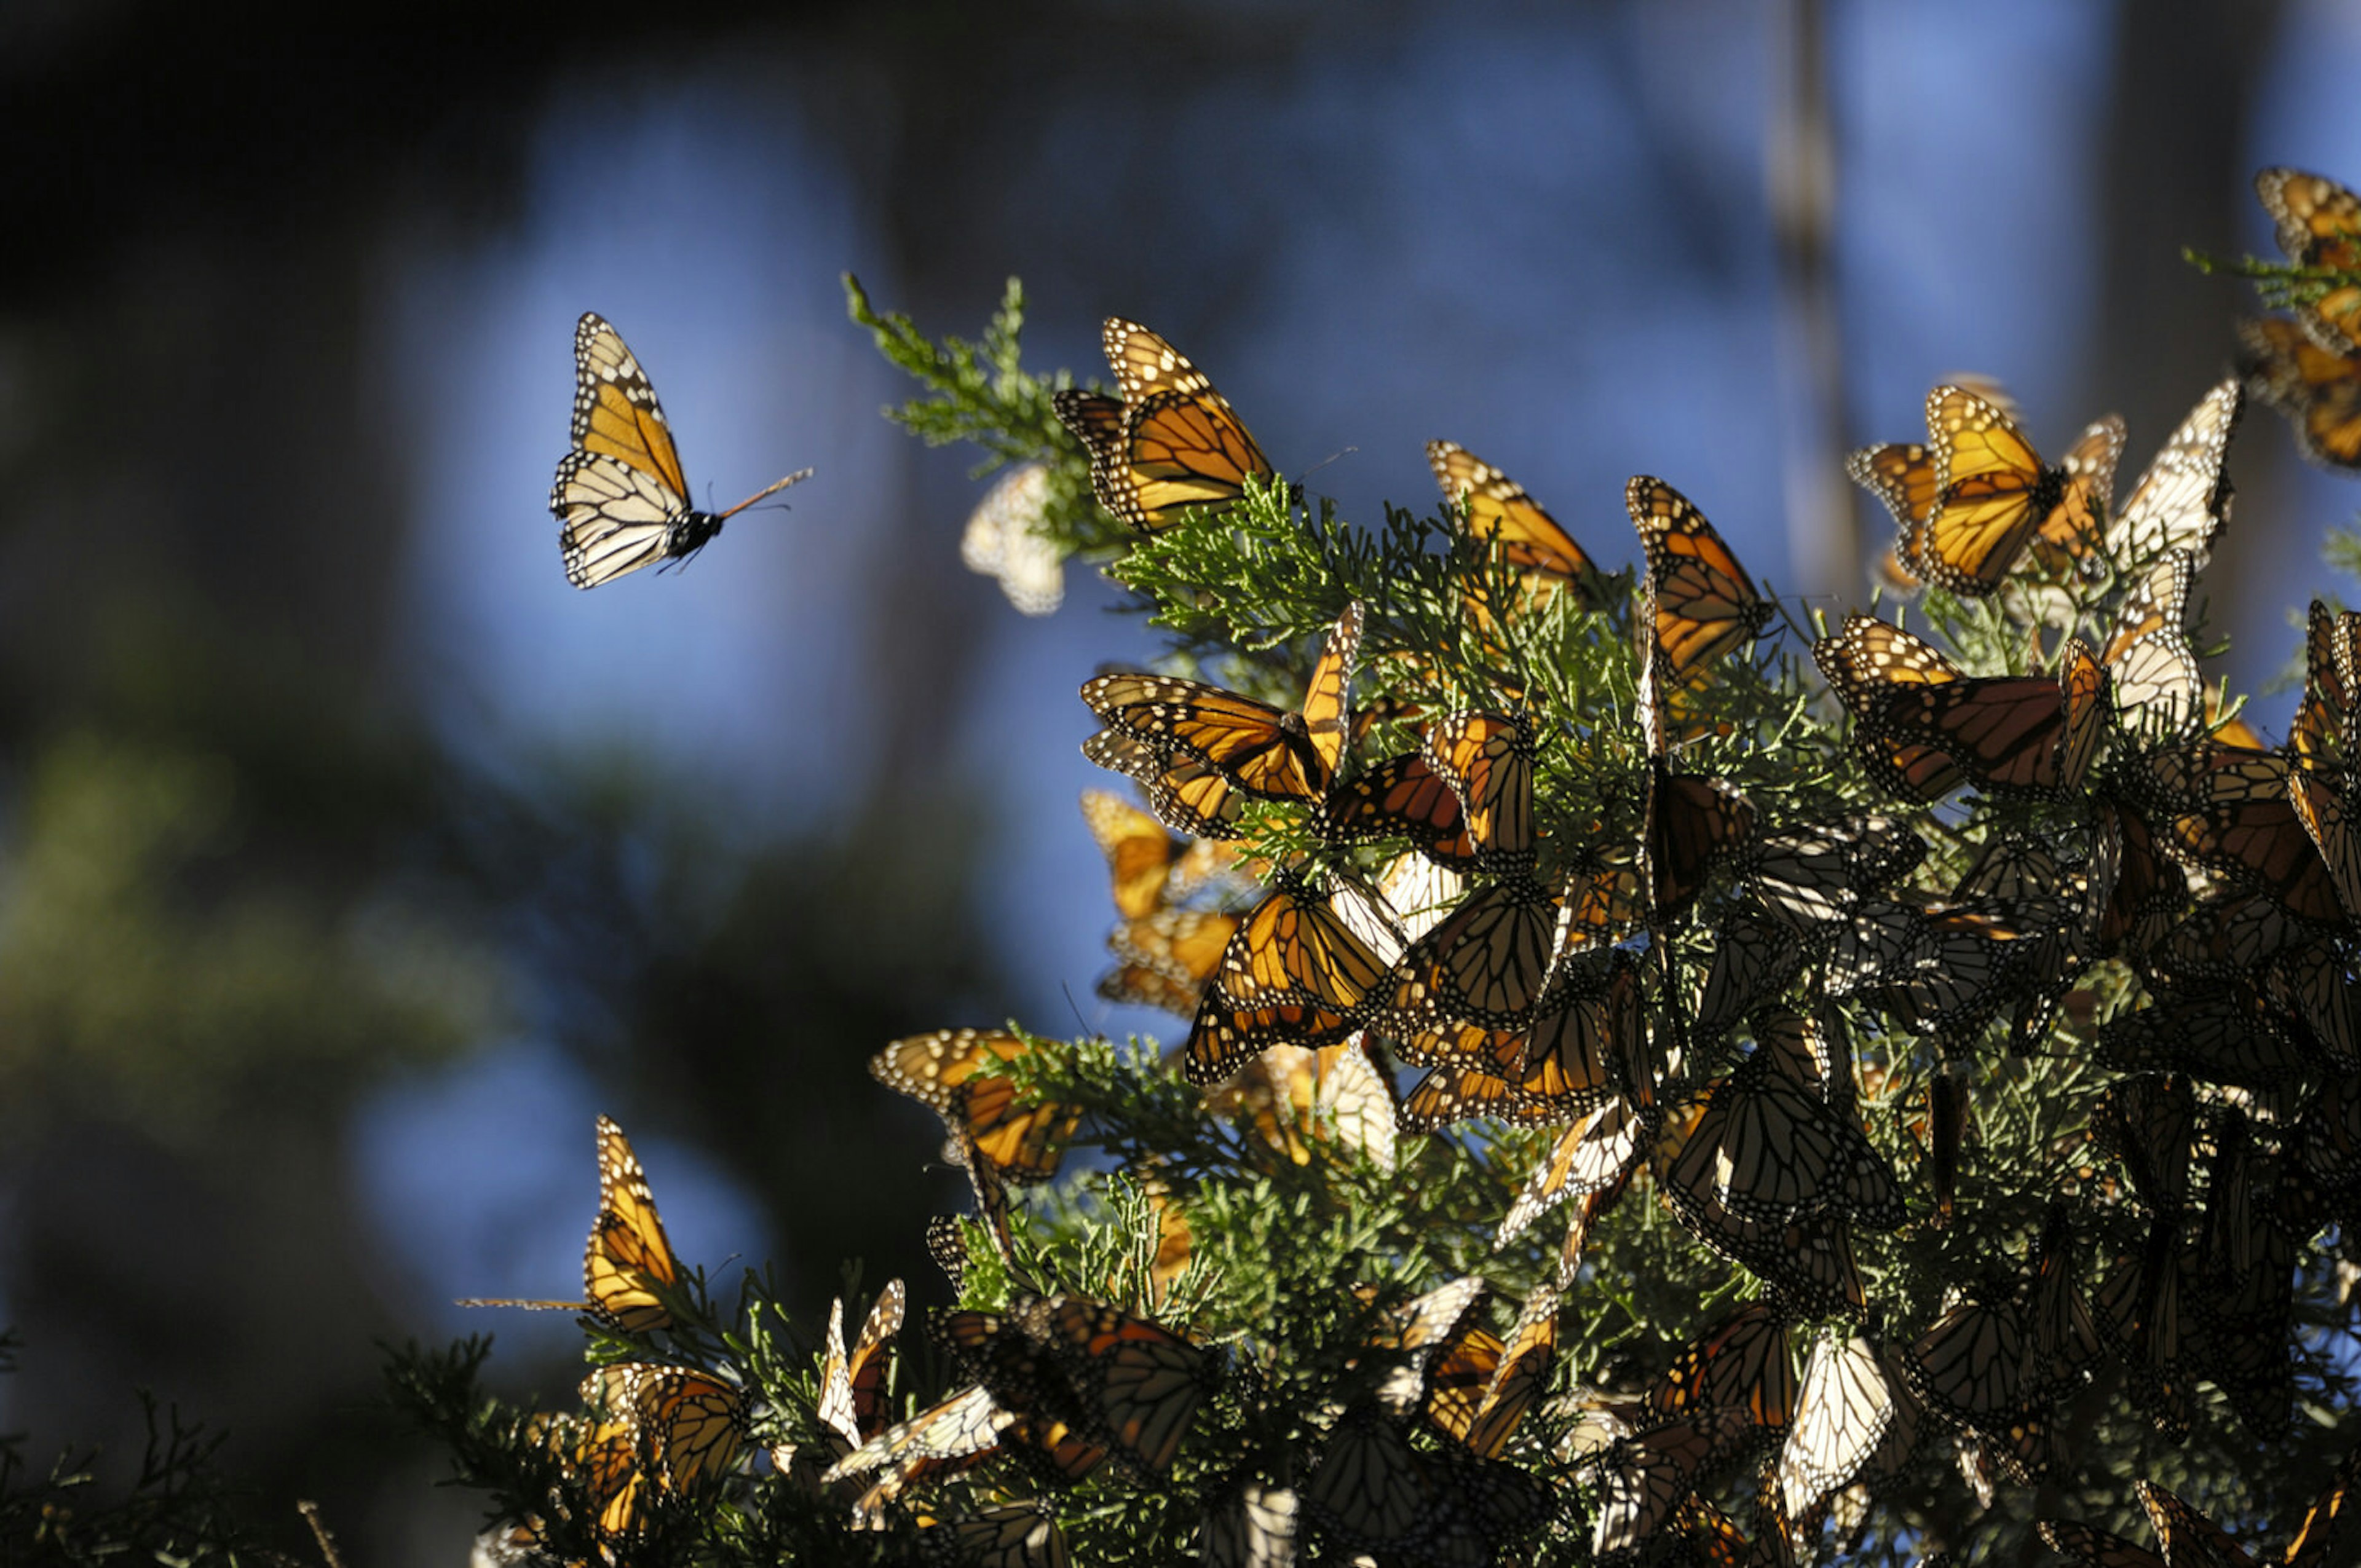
x=1483 y=1386
x=2223 y=1036
x=1016 y=1535
x=1252 y=1527
x=1557 y=1067
x=1267 y=753
x=2095 y=1548
x=1644 y=1478
x=2183 y=500
x=1125 y=1383
x=1488 y=760
x=1703 y=603
x=2319 y=392
x=1593 y=1155
x=1370 y=1490
x=2152 y=667
x=2323 y=734
x=1485 y=963
x=1692 y=821
x=852 y=1386
x=1172 y=442
x=2232 y=814
x=689 y=1424
x=1292 y=1096
x=1927 y=727
x=1186 y=795
x=620 y=494
x=1402 y=797
x=1760 y=1148
x=1904 y=478
x=948 y=1073
x=2186 y=1535
x=1003 y=539
x=1806 y=1261
x=1752 y=960
x=1811 y=875
x=628 y=1267
x=1300 y=968
x=1993 y=495
x=1852 y=1418
x=2309 y=987
x=1740 y=1364
x=1500 y=509
x=1140 y=855
x=2319 y=224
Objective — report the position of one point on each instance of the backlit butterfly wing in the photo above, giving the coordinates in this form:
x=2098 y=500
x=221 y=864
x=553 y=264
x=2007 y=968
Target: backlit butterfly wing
x=2187 y=1536
x=1486 y=962
x=949 y=1071
x=620 y=1493
x=2093 y=1547
x=620 y=494
x=2071 y=533
x=1140 y=854
x=1742 y=1366
x=851 y=1385
x=1003 y=539
x=690 y=1425
x=1499 y=509
x=1848 y=1415
x=1704 y=603
x=1252 y=1528
x=1643 y=1479
x=968 y=1422
x=1267 y=753
x=628 y=1265
x=2183 y=500
x=1178 y=443
x=1186 y=795
x=1164 y=960
x=1402 y=797
x=1992 y=493
x=1592 y=1155
x=2152 y=667
x=1487 y=759
x=1137 y=1383
x=1900 y=476
x=2319 y=224
x=1017 y=1535
x=2318 y=391
x=1296 y=972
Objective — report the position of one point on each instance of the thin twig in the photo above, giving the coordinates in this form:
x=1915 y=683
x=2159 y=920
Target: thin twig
x=311 y=1512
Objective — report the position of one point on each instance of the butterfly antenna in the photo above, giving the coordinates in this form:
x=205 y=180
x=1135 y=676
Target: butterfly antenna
x=798 y=476
x=1075 y=1008
x=1336 y=457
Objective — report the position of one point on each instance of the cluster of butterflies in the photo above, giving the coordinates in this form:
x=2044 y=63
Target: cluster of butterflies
x=2308 y=365
x=651 y=1432
x=2219 y=871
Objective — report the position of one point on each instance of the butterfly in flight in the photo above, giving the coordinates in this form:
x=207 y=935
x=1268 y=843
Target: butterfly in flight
x=1168 y=443
x=620 y=494
x=2319 y=392
x=2319 y=224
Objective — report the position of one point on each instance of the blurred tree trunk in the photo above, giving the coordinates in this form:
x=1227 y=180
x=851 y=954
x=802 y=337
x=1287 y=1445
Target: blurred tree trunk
x=2174 y=174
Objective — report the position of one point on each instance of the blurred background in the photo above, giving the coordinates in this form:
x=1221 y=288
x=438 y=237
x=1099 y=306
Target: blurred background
x=351 y=863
